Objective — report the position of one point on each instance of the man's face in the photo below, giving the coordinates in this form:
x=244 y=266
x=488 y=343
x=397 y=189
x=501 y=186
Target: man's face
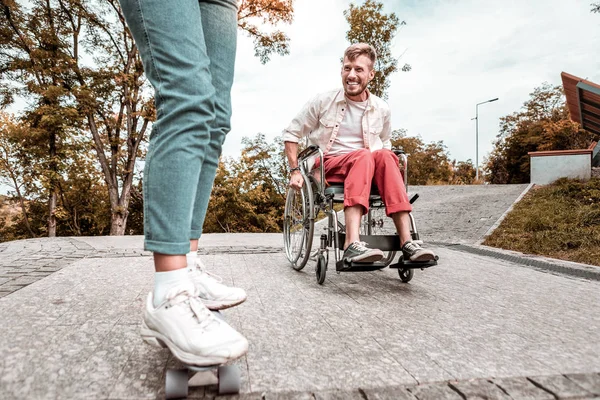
x=356 y=75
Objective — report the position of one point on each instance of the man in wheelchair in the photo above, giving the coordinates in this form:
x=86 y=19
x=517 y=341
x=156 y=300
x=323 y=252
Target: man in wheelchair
x=352 y=127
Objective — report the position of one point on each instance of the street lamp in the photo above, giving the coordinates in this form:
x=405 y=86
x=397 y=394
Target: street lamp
x=477 y=136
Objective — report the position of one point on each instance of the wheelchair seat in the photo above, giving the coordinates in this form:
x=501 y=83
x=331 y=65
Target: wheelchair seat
x=337 y=190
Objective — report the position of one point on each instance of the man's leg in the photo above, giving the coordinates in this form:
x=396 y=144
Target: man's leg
x=219 y=23
x=171 y=44
x=391 y=187
x=355 y=170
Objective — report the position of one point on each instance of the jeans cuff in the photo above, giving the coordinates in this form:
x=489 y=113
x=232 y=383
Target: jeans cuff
x=174 y=249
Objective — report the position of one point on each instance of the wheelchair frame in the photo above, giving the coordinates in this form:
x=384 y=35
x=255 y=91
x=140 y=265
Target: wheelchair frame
x=314 y=197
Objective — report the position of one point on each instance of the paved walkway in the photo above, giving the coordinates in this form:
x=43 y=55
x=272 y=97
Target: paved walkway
x=473 y=327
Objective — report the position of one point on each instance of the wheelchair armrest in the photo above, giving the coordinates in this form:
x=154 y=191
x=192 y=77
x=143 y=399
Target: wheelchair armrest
x=309 y=151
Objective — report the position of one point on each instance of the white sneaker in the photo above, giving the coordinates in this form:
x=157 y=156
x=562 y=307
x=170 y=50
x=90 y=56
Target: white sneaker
x=192 y=333
x=214 y=294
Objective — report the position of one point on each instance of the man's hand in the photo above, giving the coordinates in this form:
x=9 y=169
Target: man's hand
x=296 y=180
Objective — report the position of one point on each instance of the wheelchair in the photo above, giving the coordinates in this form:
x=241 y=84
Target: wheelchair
x=302 y=208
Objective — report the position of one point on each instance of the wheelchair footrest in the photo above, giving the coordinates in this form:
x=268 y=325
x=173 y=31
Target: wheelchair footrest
x=401 y=264
x=350 y=266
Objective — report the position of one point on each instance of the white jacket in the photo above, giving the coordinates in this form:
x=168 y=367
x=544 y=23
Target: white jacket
x=321 y=117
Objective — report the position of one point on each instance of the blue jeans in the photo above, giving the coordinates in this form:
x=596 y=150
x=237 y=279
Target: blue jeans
x=188 y=50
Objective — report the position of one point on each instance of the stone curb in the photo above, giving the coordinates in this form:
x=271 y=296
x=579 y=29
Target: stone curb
x=546 y=264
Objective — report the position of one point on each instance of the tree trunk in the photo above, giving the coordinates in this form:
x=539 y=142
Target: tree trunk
x=51 y=212
x=52 y=189
x=22 y=203
x=118 y=221
x=24 y=212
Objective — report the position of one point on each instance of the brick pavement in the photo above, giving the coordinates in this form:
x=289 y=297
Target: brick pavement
x=470 y=328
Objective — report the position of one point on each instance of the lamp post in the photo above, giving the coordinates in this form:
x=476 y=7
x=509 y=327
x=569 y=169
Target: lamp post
x=477 y=136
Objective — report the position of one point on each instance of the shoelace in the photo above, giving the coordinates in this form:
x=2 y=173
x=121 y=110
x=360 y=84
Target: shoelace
x=188 y=296
x=410 y=246
x=360 y=246
x=202 y=268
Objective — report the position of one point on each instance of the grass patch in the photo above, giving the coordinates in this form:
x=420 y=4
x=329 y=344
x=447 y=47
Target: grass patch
x=561 y=220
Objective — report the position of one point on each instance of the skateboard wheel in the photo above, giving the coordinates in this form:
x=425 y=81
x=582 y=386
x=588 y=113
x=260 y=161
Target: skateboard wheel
x=230 y=379
x=176 y=384
x=321 y=269
x=405 y=274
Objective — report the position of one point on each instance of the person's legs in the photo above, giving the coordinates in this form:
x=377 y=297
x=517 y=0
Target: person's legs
x=219 y=24
x=355 y=170
x=171 y=44
x=390 y=183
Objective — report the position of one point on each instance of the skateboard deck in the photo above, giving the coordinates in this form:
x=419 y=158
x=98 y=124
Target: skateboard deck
x=227 y=378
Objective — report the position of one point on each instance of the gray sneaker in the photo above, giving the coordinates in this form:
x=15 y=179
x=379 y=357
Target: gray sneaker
x=359 y=252
x=413 y=252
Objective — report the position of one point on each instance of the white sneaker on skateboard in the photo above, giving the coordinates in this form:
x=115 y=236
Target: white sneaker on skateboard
x=190 y=331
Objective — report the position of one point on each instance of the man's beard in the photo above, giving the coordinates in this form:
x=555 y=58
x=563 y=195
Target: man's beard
x=355 y=90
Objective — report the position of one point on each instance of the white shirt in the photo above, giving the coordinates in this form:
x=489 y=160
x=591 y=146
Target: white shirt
x=350 y=135
x=321 y=117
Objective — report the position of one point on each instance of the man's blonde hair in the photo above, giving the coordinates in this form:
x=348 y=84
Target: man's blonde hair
x=359 y=49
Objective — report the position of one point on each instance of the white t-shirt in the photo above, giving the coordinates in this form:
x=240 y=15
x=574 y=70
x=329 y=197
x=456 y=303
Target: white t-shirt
x=350 y=135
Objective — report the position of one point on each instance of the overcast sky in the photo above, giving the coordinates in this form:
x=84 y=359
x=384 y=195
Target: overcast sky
x=462 y=52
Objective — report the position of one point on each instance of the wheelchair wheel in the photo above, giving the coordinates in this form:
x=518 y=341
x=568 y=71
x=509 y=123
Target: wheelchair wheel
x=372 y=224
x=298 y=227
x=321 y=269
x=405 y=274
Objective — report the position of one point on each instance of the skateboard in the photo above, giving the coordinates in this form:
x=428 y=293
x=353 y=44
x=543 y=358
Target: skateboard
x=177 y=381
x=226 y=377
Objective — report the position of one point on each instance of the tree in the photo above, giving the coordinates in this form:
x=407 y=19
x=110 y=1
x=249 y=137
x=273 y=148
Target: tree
x=595 y=7
x=368 y=24
x=81 y=207
x=11 y=171
x=252 y=13
x=43 y=48
x=543 y=123
x=463 y=172
x=427 y=163
x=249 y=193
x=45 y=53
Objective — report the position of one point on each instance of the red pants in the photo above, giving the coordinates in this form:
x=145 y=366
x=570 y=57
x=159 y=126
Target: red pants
x=357 y=170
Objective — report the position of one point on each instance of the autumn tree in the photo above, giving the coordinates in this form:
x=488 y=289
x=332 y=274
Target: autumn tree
x=82 y=206
x=369 y=24
x=249 y=193
x=45 y=48
x=543 y=123
x=427 y=163
x=463 y=172
x=76 y=64
x=11 y=170
x=252 y=14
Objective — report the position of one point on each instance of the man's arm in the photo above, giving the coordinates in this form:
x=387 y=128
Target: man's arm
x=306 y=121
x=291 y=151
